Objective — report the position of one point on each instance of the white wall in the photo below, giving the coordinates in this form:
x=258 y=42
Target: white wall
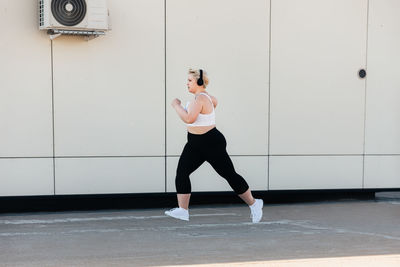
x=26 y=136
x=109 y=104
x=382 y=135
x=317 y=97
x=94 y=117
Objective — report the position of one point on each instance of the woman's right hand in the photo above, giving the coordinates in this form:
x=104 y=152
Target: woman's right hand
x=176 y=102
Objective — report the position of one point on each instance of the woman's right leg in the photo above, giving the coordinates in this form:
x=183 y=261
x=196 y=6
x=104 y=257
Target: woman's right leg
x=190 y=160
x=183 y=200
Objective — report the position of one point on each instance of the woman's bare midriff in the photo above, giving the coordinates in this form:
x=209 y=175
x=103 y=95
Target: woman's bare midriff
x=199 y=129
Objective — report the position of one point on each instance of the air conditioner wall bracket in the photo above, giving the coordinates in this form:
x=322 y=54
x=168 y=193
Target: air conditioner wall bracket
x=89 y=35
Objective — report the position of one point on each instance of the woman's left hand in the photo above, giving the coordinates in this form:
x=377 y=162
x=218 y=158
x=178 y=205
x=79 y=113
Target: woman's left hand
x=176 y=102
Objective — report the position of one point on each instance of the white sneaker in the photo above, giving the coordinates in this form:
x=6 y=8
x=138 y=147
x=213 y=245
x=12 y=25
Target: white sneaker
x=256 y=210
x=178 y=213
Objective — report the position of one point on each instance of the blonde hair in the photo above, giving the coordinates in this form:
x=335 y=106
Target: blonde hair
x=196 y=75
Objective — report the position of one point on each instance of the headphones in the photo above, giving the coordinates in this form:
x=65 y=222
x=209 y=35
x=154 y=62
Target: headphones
x=200 y=81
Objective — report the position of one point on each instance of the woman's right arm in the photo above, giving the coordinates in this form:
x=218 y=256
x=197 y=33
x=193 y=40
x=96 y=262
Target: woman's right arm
x=215 y=101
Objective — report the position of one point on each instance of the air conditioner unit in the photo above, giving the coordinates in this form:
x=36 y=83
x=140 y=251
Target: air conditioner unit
x=73 y=15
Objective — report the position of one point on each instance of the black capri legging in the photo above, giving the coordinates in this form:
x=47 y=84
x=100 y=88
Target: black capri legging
x=210 y=147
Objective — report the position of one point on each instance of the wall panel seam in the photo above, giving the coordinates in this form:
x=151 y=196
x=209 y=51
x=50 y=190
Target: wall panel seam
x=52 y=115
x=365 y=96
x=165 y=96
x=269 y=89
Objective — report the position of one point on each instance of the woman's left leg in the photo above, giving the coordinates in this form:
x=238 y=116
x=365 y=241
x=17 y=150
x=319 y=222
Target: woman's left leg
x=247 y=197
x=219 y=159
x=222 y=164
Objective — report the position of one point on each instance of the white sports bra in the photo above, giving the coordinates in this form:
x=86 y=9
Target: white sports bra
x=204 y=119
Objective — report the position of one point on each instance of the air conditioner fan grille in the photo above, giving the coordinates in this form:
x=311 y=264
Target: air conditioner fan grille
x=68 y=12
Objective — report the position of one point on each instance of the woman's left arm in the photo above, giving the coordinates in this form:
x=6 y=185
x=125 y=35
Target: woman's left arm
x=189 y=116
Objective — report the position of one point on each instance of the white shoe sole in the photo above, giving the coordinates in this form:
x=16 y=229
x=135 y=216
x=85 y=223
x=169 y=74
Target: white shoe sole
x=262 y=206
x=176 y=217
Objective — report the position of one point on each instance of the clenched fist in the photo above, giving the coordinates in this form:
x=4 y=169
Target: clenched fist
x=175 y=102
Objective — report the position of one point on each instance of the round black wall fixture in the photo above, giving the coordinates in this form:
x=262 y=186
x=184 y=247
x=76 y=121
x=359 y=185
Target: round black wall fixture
x=68 y=12
x=362 y=73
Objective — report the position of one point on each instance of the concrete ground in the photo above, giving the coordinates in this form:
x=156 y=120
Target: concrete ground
x=344 y=232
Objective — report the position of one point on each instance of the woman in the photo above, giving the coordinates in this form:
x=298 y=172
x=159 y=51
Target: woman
x=205 y=143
